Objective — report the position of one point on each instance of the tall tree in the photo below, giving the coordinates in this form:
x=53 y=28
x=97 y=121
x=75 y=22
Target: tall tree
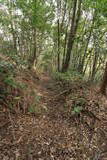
x=74 y=25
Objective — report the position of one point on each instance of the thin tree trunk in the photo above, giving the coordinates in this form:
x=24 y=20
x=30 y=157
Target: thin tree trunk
x=58 y=45
x=94 y=66
x=13 y=32
x=63 y=18
x=72 y=34
x=58 y=33
x=87 y=43
x=90 y=54
x=65 y=44
x=33 y=58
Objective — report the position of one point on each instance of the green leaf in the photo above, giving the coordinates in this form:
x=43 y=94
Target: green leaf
x=77 y=109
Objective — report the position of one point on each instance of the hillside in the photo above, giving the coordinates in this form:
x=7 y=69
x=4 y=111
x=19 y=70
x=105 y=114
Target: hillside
x=48 y=120
x=53 y=80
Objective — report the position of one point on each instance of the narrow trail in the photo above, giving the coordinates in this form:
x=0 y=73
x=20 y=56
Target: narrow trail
x=53 y=134
x=48 y=89
x=43 y=137
x=46 y=86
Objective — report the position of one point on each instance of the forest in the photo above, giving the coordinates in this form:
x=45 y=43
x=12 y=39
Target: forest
x=53 y=79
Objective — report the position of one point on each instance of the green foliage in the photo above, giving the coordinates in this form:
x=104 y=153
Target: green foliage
x=36 y=12
x=79 y=104
x=18 y=61
x=80 y=101
x=31 y=109
x=6 y=67
x=28 y=25
x=46 y=62
x=77 y=110
x=35 y=107
x=9 y=80
x=37 y=99
x=8 y=72
x=68 y=76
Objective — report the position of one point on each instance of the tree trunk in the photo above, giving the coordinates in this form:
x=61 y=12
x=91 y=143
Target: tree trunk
x=14 y=40
x=33 y=57
x=94 y=66
x=12 y=24
x=87 y=44
x=58 y=58
x=72 y=34
x=104 y=82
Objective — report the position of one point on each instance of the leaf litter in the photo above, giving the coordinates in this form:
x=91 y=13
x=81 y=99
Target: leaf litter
x=71 y=123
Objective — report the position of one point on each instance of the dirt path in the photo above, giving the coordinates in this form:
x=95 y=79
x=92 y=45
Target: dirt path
x=48 y=89
x=52 y=135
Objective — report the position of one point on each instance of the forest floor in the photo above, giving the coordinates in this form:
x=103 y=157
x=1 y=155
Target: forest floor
x=71 y=124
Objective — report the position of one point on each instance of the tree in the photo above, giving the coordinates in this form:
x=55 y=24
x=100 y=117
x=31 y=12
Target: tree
x=62 y=33
x=74 y=25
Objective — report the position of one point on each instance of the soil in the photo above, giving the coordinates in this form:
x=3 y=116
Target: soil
x=57 y=132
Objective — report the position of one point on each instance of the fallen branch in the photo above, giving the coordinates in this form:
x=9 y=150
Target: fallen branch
x=61 y=93
x=90 y=114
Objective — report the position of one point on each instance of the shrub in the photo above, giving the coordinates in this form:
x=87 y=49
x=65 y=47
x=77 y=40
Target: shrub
x=68 y=76
x=6 y=67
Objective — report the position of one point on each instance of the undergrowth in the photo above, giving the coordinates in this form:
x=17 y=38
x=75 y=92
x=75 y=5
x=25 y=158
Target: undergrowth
x=16 y=92
x=68 y=76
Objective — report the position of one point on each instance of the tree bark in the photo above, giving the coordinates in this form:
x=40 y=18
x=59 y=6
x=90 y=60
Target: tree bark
x=58 y=58
x=72 y=34
x=94 y=66
x=87 y=44
x=33 y=57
